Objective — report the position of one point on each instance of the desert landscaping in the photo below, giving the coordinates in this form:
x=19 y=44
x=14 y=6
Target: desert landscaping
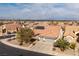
x=50 y=37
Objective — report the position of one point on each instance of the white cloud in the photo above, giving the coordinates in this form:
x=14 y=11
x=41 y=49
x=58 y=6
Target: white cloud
x=43 y=11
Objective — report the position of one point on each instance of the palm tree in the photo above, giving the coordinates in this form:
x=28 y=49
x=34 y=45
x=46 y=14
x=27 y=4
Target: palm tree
x=24 y=35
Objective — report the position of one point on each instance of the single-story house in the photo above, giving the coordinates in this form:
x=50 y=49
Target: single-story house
x=46 y=32
x=9 y=28
x=71 y=31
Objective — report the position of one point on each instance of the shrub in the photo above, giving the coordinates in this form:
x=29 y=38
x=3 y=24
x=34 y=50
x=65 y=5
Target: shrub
x=73 y=45
x=24 y=35
x=62 y=44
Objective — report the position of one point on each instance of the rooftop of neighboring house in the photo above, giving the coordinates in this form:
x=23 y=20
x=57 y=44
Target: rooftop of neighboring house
x=43 y=29
x=69 y=30
x=12 y=25
x=46 y=30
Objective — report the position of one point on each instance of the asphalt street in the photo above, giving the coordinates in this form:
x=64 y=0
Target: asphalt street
x=6 y=50
x=11 y=51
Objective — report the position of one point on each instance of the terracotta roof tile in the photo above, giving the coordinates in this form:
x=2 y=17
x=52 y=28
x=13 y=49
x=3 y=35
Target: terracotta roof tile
x=12 y=26
x=50 y=31
x=69 y=30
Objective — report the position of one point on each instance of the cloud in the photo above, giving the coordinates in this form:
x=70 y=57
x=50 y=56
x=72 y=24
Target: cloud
x=41 y=11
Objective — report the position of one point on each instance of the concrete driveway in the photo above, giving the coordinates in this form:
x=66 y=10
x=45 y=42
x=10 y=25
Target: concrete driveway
x=42 y=46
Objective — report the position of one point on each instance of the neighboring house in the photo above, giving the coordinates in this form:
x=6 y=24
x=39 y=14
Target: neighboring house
x=70 y=32
x=9 y=28
x=46 y=32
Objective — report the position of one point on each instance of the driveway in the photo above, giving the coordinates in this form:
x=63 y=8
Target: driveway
x=41 y=46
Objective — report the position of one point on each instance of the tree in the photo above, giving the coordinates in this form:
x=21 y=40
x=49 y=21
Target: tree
x=24 y=35
x=62 y=44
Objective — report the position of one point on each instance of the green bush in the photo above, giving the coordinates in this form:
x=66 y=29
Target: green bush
x=24 y=35
x=73 y=45
x=62 y=44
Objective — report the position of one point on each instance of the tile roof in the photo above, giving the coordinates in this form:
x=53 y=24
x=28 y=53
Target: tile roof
x=12 y=26
x=49 y=31
x=69 y=30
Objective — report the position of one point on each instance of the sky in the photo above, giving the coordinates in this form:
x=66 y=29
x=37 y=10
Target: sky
x=40 y=11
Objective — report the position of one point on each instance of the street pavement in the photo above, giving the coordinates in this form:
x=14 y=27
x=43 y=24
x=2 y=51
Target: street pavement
x=6 y=50
x=11 y=51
